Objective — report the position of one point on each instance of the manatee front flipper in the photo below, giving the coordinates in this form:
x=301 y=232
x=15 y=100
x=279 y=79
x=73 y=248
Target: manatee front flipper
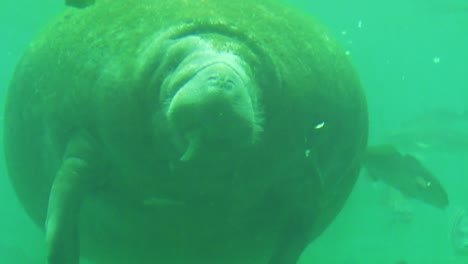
x=70 y=185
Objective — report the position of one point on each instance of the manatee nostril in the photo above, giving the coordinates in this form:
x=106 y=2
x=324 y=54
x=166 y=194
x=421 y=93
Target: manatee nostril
x=228 y=84
x=223 y=83
x=212 y=82
x=212 y=79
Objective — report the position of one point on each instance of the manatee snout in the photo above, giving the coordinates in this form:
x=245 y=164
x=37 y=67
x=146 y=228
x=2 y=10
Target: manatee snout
x=213 y=110
x=219 y=78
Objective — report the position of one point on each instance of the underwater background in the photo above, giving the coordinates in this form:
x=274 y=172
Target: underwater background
x=412 y=57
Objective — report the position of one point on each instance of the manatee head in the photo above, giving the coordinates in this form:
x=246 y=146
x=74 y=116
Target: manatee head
x=210 y=100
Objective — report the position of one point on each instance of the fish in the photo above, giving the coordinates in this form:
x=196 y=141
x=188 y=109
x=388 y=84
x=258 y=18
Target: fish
x=79 y=3
x=405 y=173
x=437 y=130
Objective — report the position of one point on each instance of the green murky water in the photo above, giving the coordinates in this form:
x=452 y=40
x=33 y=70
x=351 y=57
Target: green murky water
x=412 y=56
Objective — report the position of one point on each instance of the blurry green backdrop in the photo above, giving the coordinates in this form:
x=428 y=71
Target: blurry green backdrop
x=412 y=56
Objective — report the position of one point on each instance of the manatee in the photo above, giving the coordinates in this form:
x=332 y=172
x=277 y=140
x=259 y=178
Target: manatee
x=160 y=131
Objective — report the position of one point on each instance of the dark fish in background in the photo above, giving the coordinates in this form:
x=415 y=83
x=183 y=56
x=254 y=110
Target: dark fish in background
x=406 y=174
x=436 y=131
x=79 y=3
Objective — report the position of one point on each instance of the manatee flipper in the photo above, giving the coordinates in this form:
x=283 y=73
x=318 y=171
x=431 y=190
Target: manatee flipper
x=70 y=185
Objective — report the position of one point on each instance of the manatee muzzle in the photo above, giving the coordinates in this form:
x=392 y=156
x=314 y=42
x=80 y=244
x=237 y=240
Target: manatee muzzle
x=211 y=109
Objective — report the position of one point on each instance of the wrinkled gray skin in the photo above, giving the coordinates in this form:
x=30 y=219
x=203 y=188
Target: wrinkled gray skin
x=173 y=132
